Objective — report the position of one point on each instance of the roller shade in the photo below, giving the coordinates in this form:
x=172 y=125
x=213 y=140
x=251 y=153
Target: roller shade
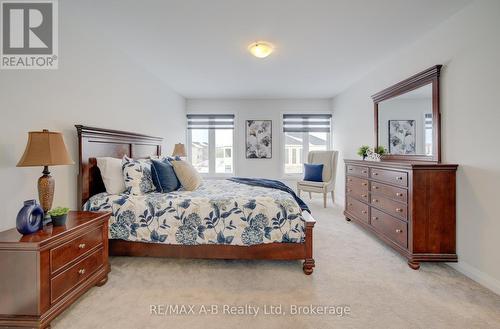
x=210 y=121
x=307 y=122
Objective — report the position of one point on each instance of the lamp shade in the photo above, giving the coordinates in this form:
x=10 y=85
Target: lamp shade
x=179 y=150
x=45 y=148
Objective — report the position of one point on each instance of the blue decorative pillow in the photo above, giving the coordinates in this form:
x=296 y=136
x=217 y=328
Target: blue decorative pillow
x=164 y=177
x=313 y=172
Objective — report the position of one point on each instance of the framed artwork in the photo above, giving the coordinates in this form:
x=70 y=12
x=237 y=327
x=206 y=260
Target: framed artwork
x=402 y=137
x=259 y=139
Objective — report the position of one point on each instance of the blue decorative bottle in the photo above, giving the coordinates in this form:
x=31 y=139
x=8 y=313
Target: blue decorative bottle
x=30 y=218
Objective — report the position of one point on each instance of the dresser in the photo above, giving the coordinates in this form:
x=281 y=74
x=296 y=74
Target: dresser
x=410 y=206
x=45 y=272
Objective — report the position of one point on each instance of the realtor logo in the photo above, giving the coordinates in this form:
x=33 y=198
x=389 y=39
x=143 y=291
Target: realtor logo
x=29 y=35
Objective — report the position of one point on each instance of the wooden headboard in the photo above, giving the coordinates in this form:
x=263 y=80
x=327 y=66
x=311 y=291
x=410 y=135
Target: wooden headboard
x=98 y=142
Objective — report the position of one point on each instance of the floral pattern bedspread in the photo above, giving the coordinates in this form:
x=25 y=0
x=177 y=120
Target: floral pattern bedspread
x=218 y=212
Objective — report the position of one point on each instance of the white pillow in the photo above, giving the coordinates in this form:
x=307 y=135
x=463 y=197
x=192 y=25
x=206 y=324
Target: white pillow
x=111 y=173
x=187 y=174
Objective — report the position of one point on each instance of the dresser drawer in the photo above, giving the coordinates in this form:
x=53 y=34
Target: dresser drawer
x=64 y=254
x=357 y=208
x=391 y=207
x=392 y=192
x=357 y=170
x=70 y=278
x=390 y=176
x=391 y=227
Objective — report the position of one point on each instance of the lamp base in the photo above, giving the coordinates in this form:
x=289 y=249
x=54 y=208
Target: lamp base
x=46 y=186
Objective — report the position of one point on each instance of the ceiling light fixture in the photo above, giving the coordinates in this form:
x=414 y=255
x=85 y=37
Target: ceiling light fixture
x=261 y=49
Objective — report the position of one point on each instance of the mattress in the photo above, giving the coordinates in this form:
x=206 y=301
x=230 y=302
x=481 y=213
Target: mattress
x=218 y=212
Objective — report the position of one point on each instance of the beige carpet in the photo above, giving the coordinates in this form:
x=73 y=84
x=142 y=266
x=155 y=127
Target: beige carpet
x=352 y=268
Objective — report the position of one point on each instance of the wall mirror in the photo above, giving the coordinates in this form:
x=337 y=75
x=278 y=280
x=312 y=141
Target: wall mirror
x=407 y=118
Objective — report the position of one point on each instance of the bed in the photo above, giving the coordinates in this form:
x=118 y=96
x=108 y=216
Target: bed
x=220 y=220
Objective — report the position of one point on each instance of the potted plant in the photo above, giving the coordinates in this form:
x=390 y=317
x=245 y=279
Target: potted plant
x=59 y=216
x=380 y=150
x=363 y=151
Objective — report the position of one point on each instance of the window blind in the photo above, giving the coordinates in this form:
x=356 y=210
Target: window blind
x=210 y=121
x=307 y=122
x=428 y=120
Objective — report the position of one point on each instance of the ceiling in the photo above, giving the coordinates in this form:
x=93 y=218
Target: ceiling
x=199 y=47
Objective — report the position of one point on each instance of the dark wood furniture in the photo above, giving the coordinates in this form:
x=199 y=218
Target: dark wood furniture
x=98 y=142
x=408 y=205
x=44 y=272
x=429 y=76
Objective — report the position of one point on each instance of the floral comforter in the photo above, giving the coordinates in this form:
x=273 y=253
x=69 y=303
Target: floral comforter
x=218 y=212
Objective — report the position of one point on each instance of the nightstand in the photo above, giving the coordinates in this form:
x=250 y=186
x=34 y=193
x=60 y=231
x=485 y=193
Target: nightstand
x=43 y=273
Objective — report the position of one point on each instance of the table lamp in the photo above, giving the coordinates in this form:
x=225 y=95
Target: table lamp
x=45 y=148
x=179 y=150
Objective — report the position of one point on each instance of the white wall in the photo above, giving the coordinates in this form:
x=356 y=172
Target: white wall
x=468 y=45
x=257 y=109
x=95 y=85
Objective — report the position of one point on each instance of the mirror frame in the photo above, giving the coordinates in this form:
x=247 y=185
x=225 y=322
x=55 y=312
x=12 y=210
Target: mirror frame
x=429 y=76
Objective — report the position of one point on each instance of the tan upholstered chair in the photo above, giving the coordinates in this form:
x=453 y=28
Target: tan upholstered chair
x=329 y=161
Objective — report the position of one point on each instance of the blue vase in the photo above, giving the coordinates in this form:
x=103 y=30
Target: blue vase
x=30 y=218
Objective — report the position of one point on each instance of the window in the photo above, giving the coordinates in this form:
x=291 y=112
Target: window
x=210 y=143
x=303 y=133
x=428 y=133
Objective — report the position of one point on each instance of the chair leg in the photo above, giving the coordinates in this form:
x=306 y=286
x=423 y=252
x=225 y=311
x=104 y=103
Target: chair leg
x=310 y=196
x=324 y=200
x=333 y=197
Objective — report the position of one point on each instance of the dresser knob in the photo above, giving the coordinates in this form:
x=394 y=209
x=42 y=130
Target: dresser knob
x=375 y=200
x=349 y=204
x=81 y=271
x=350 y=169
x=375 y=173
x=364 y=184
x=399 y=210
x=364 y=196
x=399 y=178
x=399 y=231
x=375 y=187
x=350 y=179
x=375 y=218
x=349 y=190
x=81 y=245
x=399 y=194
x=363 y=211
x=364 y=171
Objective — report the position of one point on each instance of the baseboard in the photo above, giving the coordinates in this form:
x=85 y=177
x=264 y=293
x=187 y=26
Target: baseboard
x=478 y=276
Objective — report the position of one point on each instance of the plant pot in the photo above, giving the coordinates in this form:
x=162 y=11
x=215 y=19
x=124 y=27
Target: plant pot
x=59 y=220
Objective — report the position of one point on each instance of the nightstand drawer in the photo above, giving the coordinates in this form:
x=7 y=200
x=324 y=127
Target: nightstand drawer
x=64 y=254
x=70 y=278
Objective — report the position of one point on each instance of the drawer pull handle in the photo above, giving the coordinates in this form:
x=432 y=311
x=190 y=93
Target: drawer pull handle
x=364 y=195
x=350 y=179
x=375 y=173
x=349 y=204
x=375 y=187
x=349 y=190
x=375 y=200
x=81 y=271
x=363 y=211
x=399 y=231
x=399 y=210
x=399 y=178
x=364 y=171
x=350 y=169
x=399 y=194
x=364 y=184
x=375 y=218
x=81 y=245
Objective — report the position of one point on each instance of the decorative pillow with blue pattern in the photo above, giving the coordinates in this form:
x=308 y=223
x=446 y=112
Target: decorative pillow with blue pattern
x=137 y=176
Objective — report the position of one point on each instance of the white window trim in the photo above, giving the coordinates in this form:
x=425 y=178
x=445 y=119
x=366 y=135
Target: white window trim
x=305 y=148
x=211 y=149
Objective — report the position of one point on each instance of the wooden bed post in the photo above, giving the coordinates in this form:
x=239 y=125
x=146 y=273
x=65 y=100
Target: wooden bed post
x=309 y=260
